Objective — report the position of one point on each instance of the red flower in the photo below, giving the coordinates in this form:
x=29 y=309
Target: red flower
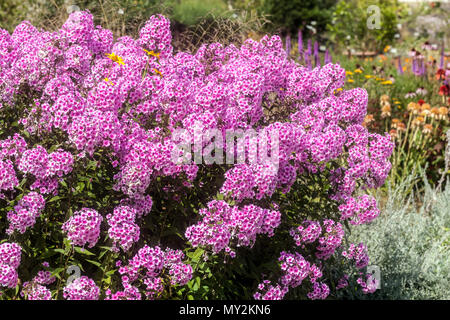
x=421 y=102
x=444 y=90
x=440 y=74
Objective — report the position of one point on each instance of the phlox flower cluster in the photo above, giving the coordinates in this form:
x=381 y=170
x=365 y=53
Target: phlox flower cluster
x=82 y=288
x=267 y=291
x=83 y=228
x=357 y=253
x=10 y=151
x=326 y=236
x=46 y=168
x=25 y=212
x=308 y=232
x=294 y=270
x=10 y=255
x=148 y=265
x=369 y=285
x=35 y=291
x=123 y=229
x=222 y=224
x=44 y=277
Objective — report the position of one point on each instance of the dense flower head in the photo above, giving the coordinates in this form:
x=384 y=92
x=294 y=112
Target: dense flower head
x=35 y=291
x=222 y=224
x=8 y=176
x=25 y=212
x=44 y=277
x=147 y=266
x=47 y=168
x=123 y=229
x=369 y=284
x=83 y=228
x=8 y=276
x=320 y=291
x=267 y=291
x=295 y=268
x=82 y=288
x=10 y=256
x=333 y=234
x=12 y=147
x=357 y=253
x=308 y=232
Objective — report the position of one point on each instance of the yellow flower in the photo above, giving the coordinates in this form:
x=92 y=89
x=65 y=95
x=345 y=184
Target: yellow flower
x=152 y=53
x=157 y=72
x=114 y=57
x=387 y=82
x=109 y=81
x=337 y=90
x=358 y=71
x=368 y=76
x=379 y=79
x=386 y=49
x=350 y=80
x=349 y=73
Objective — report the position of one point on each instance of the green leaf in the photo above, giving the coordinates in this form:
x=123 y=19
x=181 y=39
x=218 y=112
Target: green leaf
x=95 y=263
x=56 y=198
x=84 y=251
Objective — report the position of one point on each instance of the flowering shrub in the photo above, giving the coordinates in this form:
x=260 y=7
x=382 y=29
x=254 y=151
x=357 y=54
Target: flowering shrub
x=87 y=127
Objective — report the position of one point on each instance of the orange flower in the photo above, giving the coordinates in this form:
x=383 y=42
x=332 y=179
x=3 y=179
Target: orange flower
x=427 y=128
x=418 y=121
x=393 y=133
x=443 y=113
x=386 y=111
x=412 y=106
x=434 y=112
x=367 y=119
x=401 y=126
x=395 y=123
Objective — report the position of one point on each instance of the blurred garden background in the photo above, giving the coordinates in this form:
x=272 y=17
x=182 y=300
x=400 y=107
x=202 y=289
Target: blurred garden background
x=399 y=51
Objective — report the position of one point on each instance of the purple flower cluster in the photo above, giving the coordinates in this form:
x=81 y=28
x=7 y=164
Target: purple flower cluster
x=82 y=288
x=10 y=151
x=123 y=229
x=267 y=291
x=295 y=269
x=35 y=291
x=25 y=212
x=147 y=266
x=370 y=284
x=308 y=232
x=10 y=255
x=47 y=168
x=333 y=234
x=357 y=253
x=83 y=227
x=221 y=225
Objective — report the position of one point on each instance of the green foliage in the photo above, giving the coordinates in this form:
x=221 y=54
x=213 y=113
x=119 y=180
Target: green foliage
x=190 y=12
x=293 y=14
x=410 y=243
x=349 y=24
